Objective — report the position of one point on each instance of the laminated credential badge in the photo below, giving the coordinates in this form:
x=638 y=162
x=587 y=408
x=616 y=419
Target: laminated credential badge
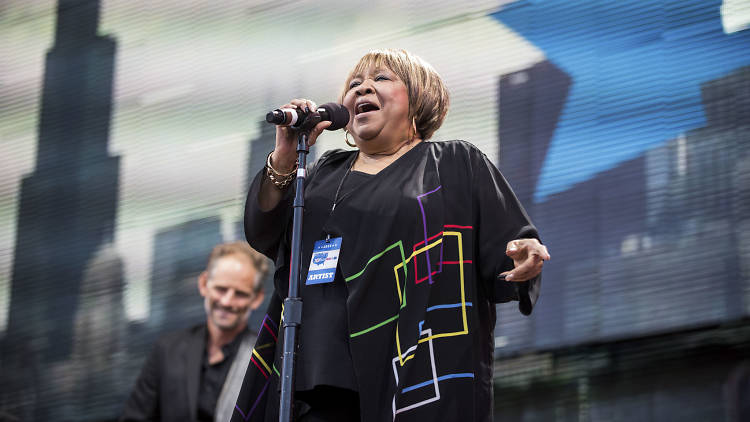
x=325 y=257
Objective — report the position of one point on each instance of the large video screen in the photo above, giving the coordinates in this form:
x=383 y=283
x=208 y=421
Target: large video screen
x=130 y=129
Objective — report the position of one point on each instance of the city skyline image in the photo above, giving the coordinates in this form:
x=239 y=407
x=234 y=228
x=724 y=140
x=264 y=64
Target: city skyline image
x=130 y=132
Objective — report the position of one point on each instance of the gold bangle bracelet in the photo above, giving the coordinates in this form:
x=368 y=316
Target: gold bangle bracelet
x=280 y=180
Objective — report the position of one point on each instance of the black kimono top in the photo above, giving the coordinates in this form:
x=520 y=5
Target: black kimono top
x=423 y=242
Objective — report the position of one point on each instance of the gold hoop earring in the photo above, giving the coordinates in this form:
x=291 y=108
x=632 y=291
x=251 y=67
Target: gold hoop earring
x=346 y=139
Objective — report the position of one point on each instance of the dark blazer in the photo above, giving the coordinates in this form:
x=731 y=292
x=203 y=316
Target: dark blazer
x=167 y=387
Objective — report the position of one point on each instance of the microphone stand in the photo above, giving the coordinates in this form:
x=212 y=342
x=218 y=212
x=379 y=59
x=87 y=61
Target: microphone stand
x=293 y=303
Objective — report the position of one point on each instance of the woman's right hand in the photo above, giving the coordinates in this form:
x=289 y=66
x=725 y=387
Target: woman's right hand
x=285 y=153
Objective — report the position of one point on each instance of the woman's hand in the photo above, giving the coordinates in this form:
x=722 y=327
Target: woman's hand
x=285 y=153
x=528 y=258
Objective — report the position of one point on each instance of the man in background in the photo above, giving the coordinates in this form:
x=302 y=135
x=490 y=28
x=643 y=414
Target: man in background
x=196 y=374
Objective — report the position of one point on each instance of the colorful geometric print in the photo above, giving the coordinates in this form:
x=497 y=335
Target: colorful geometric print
x=422 y=347
x=434 y=381
x=462 y=298
x=402 y=265
x=426 y=336
x=263 y=353
x=424 y=226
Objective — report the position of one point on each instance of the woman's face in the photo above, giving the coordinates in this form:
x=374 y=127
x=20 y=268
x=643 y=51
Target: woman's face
x=378 y=102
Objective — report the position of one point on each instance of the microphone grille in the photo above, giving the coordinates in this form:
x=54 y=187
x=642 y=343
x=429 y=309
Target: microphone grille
x=339 y=115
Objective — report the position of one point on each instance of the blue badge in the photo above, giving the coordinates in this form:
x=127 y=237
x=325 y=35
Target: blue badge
x=323 y=263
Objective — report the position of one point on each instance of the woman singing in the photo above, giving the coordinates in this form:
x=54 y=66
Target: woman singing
x=429 y=238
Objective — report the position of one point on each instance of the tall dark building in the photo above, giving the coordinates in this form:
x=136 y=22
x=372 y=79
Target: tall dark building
x=67 y=205
x=98 y=360
x=261 y=146
x=644 y=306
x=647 y=218
x=531 y=101
x=586 y=226
x=180 y=255
x=259 y=149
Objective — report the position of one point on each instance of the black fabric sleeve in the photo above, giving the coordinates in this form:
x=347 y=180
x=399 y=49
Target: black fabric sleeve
x=143 y=403
x=501 y=218
x=264 y=229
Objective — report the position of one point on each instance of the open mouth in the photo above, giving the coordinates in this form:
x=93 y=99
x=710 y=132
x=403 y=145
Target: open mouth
x=365 y=107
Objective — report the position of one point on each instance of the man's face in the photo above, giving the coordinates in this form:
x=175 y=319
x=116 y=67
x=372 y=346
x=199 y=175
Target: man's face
x=228 y=292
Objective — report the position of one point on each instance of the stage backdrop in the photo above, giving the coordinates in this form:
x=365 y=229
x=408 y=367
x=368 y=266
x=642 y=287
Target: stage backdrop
x=129 y=130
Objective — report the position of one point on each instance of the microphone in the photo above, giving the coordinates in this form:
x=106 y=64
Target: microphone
x=330 y=112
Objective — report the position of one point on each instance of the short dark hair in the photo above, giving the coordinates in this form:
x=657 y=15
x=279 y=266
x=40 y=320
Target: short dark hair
x=257 y=259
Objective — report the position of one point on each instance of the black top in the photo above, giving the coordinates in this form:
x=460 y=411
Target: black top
x=213 y=377
x=423 y=243
x=324 y=357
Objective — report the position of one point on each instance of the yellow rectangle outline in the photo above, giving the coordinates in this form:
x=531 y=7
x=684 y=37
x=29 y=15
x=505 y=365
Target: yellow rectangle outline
x=465 y=330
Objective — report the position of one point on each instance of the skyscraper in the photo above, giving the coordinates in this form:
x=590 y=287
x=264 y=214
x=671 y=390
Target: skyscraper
x=531 y=101
x=67 y=205
x=180 y=255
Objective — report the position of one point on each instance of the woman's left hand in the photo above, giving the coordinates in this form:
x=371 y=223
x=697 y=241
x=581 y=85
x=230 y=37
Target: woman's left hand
x=528 y=258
